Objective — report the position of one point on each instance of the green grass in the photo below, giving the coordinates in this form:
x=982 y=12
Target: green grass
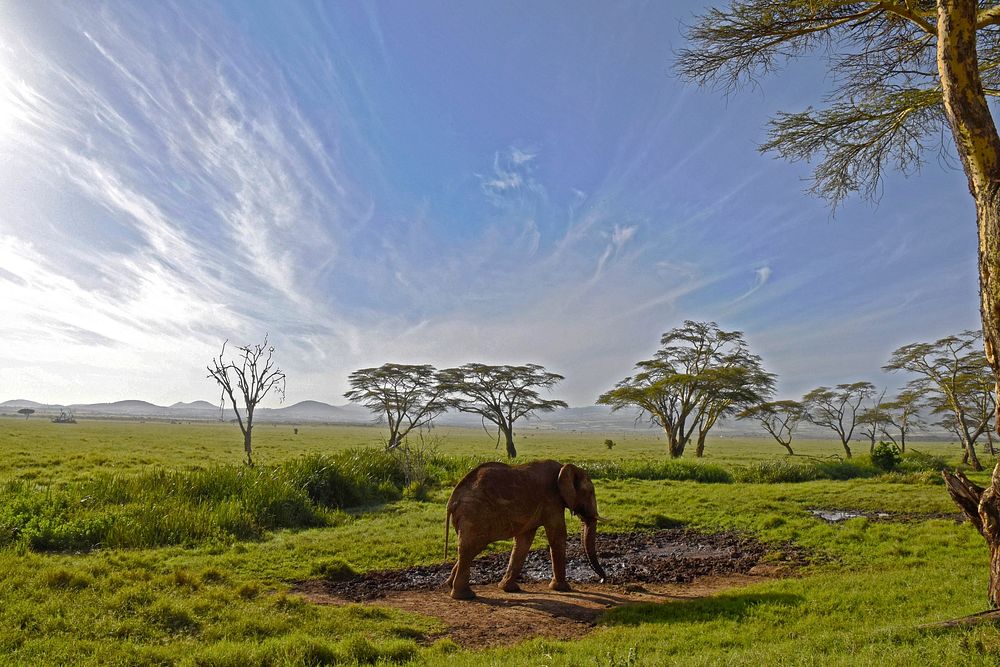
x=220 y=595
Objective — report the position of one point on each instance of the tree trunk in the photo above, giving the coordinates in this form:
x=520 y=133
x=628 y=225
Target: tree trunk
x=970 y=449
x=246 y=446
x=847 y=447
x=982 y=507
x=700 y=451
x=675 y=446
x=508 y=434
x=787 y=446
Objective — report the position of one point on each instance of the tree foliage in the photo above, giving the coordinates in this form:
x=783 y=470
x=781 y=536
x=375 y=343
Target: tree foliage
x=501 y=395
x=246 y=380
x=699 y=374
x=885 y=109
x=404 y=396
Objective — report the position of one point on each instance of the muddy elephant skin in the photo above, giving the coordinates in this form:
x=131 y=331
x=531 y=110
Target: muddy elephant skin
x=497 y=501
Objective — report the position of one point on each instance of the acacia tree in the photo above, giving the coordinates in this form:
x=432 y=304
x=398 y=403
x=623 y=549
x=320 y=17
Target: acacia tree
x=500 y=394
x=405 y=396
x=699 y=374
x=902 y=414
x=837 y=408
x=872 y=418
x=250 y=377
x=903 y=72
x=951 y=372
x=779 y=418
x=27 y=412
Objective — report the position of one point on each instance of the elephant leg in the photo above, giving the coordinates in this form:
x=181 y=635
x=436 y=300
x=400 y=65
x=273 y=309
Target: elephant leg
x=522 y=544
x=556 y=534
x=467 y=550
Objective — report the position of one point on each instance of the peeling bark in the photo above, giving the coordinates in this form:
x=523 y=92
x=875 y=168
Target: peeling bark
x=982 y=507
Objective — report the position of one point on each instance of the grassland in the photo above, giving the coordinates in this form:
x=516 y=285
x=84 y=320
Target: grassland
x=222 y=598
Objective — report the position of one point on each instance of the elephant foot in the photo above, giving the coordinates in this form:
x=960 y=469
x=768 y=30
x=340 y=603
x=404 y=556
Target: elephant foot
x=510 y=587
x=559 y=586
x=462 y=594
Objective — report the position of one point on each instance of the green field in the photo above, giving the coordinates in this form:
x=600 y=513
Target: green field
x=208 y=551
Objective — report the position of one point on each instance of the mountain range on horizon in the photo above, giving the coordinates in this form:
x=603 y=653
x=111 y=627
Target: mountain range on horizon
x=588 y=418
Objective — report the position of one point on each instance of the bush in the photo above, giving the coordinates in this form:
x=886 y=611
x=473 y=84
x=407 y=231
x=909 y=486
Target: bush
x=886 y=456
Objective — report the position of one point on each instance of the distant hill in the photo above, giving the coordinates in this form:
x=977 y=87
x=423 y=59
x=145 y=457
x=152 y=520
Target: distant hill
x=19 y=403
x=194 y=405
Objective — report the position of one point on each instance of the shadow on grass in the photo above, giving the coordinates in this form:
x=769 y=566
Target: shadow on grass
x=726 y=606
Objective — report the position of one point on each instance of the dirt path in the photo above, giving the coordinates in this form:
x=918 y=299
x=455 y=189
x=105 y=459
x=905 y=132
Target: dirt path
x=496 y=618
x=642 y=568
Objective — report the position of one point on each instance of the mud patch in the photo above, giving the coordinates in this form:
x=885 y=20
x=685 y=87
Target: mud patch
x=641 y=567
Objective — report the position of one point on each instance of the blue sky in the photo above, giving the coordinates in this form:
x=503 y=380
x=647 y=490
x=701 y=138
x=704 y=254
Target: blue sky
x=427 y=182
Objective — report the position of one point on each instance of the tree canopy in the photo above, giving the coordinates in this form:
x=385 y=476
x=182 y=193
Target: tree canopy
x=699 y=374
x=501 y=395
x=404 y=396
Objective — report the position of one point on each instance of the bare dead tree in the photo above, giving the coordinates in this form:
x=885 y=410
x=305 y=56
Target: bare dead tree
x=249 y=378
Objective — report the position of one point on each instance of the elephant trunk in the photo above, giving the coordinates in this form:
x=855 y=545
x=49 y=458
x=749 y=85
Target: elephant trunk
x=590 y=547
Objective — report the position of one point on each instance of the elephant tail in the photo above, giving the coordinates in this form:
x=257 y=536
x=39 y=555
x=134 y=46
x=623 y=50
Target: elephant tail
x=447 y=521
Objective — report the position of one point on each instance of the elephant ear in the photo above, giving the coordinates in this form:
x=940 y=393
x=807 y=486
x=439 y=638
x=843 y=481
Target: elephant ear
x=568 y=476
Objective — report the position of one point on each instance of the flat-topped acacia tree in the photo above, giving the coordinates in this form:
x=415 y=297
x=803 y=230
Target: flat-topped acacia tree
x=905 y=74
x=404 y=396
x=779 y=418
x=954 y=379
x=902 y=415
x=698 y=374
x=251 y=375
x=838 y=408
x=500 y=394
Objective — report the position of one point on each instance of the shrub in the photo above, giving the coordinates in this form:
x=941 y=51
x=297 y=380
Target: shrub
x=610 y=444
x=886 y=456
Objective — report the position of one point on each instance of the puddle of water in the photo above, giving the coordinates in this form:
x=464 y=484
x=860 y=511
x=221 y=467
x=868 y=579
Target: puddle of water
x=833 y=516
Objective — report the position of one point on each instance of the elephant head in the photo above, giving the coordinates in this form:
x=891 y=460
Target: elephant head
x=577 y=492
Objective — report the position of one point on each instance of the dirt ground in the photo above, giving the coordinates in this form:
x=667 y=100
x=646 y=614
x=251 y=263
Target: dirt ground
x=668 y=565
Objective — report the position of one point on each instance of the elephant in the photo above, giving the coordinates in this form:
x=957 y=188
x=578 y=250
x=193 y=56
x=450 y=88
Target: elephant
x=496 y=501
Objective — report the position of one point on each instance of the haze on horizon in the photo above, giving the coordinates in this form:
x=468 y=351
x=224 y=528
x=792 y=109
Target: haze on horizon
x=427 y=183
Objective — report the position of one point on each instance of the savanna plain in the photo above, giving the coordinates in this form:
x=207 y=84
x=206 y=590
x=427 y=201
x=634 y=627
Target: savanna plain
x=128 y=543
